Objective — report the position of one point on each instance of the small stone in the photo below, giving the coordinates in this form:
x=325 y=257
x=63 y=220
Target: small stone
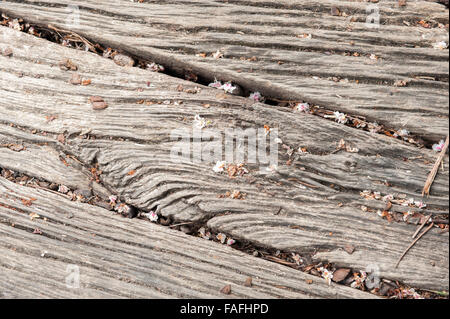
x=132 y=212
x=123 y=60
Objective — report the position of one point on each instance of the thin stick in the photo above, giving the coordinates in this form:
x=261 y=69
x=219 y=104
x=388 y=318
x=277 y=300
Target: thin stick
x=413 y=243
x=421 y=226
x=181 y=224
x=432 y=176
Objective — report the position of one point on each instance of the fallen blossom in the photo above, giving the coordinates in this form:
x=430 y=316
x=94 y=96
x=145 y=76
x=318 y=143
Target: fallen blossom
x=63 y=189
x=441 y=45
x=278 y=140
x=358 y=280
x=112 y=199
x=407 y=214
x=221 y=237
x=256 y=96
x=408 y=202
x=216 y=84
x=228 y=87
x=373 y=57
x=408 y=293
x=420 y=204
x=205 y=234
x=341 y=118
x=217 y=55
x=152 y=216
x=402 y=133
x=230 y=242
x=374 y=127
x=122 y=208
x=439 y=146
x=220 y=166
x=298 y=260
x=388 y=198
x=328 y=275
x=199 y=122
x=155 y=67
x=302 y=107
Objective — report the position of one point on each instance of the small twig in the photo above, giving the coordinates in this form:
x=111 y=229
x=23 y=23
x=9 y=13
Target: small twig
x=413 y=243
x=181 y=224
x=82 y=39
x=432 y=176
x=421 y=226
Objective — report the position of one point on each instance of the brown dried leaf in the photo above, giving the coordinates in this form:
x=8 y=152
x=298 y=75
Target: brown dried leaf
x=226 y=290
x=340 y=274
x=349 y=249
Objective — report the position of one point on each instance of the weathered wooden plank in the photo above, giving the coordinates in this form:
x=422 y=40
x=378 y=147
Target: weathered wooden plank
x=269 y=32
x=122 y=258
x=131 y=135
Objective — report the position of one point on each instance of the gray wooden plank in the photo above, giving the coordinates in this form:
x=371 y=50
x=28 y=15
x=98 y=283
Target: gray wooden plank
x=123 y=258
x=269 y=32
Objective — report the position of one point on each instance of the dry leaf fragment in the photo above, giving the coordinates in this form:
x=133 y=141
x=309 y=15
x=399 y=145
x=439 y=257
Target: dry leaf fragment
x=349 y=249
x=335 y=11
x=61 y=138
x=340 y=274
x=75 y=79
x=226 y=290
x=67 y=65
x=98 y=103
x=248 y=282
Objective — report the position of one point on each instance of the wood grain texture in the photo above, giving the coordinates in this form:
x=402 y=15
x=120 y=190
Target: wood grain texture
x=122 y=258
x=173 y=33
x=133 y=136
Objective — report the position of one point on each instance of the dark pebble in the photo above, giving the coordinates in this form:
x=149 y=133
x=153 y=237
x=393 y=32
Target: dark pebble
x=133 y=212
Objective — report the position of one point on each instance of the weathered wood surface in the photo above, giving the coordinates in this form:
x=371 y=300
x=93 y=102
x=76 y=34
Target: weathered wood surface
x=122 y=258
x=173 y=33
x=133 y=136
